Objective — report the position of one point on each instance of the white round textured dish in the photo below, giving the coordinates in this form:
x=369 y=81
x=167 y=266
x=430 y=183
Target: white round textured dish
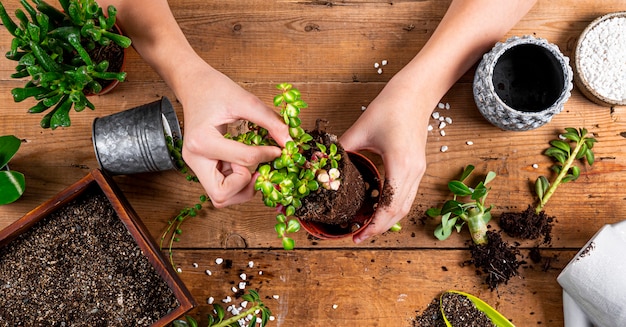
x=600 y=56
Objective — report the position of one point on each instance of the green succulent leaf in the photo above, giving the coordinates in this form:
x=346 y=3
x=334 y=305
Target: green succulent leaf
x=561 y=145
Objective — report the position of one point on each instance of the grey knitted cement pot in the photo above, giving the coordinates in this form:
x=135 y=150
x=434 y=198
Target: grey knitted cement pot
x=522 y=83
x=134 y=141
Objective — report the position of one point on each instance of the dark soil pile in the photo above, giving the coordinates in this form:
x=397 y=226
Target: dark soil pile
x=459 y=310
x=527 y=224
x=80 y=267
x=497 y=259
x=335 y=207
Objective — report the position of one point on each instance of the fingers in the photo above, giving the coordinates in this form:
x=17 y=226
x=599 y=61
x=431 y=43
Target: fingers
x=399 y=195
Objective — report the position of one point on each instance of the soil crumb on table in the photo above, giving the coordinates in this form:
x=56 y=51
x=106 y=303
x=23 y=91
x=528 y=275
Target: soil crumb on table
x=460 y=311
x=80 y=267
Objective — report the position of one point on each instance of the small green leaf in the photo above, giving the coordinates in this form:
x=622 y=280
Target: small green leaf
x=490 y=176
x=541 y=186
x=288 y=243
x=12 y=186
x=561 y=145
x=458 y=188
x=496 y=317
x=590 y=157
x=466 y=172
x=433 y=212
x=9 y=145
x=293 y=226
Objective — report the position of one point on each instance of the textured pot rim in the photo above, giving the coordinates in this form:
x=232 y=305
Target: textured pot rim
x=501 y=47
x=579 y=79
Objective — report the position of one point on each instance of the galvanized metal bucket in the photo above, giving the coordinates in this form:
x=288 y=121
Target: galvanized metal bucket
x=134 y=141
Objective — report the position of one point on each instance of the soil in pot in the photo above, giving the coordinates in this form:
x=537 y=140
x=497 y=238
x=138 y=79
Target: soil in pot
x=527 y=224
x=460 y=311
x=329 y=206
x=496 y=259
x=79 y=266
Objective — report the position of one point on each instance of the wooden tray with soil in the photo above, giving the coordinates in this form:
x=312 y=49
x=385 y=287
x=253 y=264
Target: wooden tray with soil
x=84 y=258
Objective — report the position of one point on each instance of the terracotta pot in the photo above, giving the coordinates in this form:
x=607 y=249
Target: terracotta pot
x=522 y=83
x=97 y=181
x=371 y=176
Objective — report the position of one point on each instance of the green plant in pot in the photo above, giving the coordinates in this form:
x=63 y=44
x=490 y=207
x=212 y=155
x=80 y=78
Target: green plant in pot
x=59 y=52
x=468 y=207
x=315 y=183
x=12 y=183
x=314 y=179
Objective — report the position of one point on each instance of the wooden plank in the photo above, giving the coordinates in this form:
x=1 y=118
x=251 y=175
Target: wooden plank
x=368 y=287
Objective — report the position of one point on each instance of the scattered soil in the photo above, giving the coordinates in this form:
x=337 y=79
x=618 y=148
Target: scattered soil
x=459 y=310
x=497 y=259
x=81 y=267
x=527 y=224
x=335 y=207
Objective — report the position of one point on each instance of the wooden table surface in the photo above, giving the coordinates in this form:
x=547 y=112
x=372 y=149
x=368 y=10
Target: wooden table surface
x=328 y=51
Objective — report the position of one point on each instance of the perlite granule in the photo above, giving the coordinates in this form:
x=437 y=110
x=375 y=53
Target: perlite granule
x=602 y=58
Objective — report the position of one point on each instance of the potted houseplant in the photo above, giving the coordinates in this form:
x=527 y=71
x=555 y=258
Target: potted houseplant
x=572 y=147
x=59 y=51
x=489 y=252
x=84 y=256
x=12 y=183
x=314 y=179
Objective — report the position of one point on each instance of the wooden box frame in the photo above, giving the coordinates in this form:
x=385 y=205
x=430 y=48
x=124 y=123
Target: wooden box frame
x=131 y=221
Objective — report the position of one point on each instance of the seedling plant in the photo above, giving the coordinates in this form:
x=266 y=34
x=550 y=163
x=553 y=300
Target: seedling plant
x=474 y=212
x=12 y=183
x=256 y=311
x=573 y=146
x=52 y=48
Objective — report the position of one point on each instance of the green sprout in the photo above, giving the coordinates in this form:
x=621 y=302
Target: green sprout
x=249 y=317
x=12 y=183
x=456 y=213
x=575 y=144
x=52 y=48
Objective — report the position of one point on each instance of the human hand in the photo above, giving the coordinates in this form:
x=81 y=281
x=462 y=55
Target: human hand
x=225 y=167
x=393 y=126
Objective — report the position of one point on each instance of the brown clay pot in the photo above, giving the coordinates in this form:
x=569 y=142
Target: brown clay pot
x=364 y=215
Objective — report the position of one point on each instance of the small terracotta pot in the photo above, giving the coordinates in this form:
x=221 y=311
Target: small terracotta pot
x=363 y=217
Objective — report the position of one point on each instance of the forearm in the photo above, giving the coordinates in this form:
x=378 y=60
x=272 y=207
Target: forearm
x=157 y=37
x=468 y=30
